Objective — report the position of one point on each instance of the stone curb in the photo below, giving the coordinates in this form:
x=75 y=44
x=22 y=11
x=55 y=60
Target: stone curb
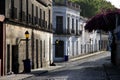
x=78 y=58
x=85 y=56
x=34 y=74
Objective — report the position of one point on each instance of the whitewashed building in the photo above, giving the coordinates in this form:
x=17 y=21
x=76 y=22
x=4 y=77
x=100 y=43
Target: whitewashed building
x=67 y=33
x=70 y=38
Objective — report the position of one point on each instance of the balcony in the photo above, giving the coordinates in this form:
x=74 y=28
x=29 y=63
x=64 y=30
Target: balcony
x=13 y=13
x=29 y=19
x=50 y=27
x=68 y=31
x=73 y=31
x=23 y=16
x=44 y=2
x=79 y=33
x=59 y=32
x=66 y=3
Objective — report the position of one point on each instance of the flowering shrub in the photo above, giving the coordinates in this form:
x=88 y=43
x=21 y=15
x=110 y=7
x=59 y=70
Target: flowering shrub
x=104 y=21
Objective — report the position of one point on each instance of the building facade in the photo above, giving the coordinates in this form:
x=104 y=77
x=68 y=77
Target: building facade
x=34 y=16
x=67 y=33
x=70 y=38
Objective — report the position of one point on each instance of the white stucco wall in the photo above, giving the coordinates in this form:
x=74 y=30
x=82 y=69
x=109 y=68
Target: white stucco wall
x=72 y=43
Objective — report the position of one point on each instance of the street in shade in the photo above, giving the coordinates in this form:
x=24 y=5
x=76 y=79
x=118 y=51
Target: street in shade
x=97 y=67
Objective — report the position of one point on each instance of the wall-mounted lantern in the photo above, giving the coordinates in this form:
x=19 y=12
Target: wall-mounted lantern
x=27 y=35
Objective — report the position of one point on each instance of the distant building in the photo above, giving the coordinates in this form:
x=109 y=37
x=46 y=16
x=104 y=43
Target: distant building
x=67 y=30
x=70 y=38
x=34 y=16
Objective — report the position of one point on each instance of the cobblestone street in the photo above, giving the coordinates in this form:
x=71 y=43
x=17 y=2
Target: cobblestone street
x=91 y=68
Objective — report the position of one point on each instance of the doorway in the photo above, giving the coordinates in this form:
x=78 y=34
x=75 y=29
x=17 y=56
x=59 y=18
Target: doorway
x=15 y=63
x=59 y=49
x=41 y=65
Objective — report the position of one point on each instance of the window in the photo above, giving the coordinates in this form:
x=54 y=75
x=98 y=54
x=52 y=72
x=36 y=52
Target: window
x=27 y=11
x=59 y=24
x=37 y=53
x=14 y=13
x=12 y=9
x=72 y=24
x=49 y=27
x=40 y=20
x=29 y=18
x=8 y=57
x=43 y=18
x=44 y=48
x=76 y=25
x=41 y=54
x=20 y=12
x=36 y=19
x=68 y=23
x=23 y=16
x=32 y=14
x=24 y=11
x=50 y=49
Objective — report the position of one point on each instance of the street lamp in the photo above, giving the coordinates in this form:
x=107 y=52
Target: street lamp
x=27 y=66
x=27 y=34
x=27 y=38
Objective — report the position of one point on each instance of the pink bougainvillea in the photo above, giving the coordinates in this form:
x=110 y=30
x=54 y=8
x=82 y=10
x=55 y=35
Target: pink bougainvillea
x=104 y=21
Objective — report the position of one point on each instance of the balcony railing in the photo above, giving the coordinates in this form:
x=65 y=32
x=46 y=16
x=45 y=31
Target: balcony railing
x=67 y=4
x=68 y=31
x=33 y=21
x=79 y=33
x=43 y=2
x=29 y=19
x=13 y=13
x=50 y=27
x=23 y=16
x=73 y=31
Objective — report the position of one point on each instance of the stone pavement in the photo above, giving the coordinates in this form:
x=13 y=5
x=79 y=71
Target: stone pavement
x=112 y=72
x=32 y=73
